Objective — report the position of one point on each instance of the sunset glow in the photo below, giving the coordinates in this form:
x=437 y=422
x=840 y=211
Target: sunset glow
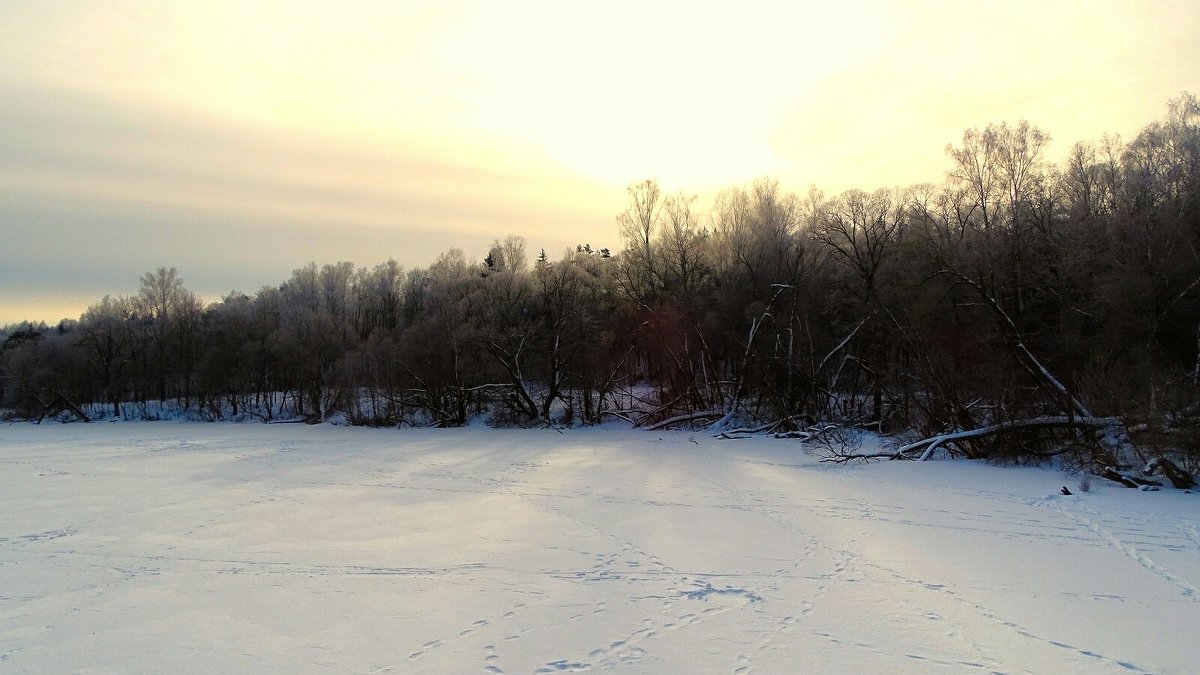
x=285 y=132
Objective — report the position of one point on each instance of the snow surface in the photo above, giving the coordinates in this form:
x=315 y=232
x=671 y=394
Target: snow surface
x=167 y=547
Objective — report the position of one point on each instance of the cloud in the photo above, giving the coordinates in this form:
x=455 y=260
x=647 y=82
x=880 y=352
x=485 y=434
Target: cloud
x=239 y=140
x=93 y=192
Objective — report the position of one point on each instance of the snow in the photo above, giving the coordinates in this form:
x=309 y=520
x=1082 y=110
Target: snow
x=247 y=548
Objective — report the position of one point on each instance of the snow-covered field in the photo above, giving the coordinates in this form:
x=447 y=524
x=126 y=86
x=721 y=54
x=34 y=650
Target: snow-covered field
x=167 y=547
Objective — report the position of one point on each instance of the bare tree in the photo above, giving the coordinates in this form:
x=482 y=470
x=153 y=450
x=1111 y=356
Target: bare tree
x=158 y=294
x=111 y=345
x=862 y=230
x=638 y=225
x=682 y=247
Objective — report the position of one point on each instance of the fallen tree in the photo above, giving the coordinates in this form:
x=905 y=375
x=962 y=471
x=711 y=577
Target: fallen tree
x=58 y=404
x=688 y=417
x=929 y=445
x=1178 y=477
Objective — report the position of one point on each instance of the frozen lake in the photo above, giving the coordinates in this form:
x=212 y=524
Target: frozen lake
x=166 y=547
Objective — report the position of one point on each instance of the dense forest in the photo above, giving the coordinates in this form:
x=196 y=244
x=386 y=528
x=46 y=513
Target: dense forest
x=1055 y=307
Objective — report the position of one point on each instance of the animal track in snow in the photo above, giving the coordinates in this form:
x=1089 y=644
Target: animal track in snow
x=490 y=655
x=1130 y=551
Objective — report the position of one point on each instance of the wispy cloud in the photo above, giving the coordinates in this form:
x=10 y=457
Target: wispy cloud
x=239 y=140
x=93 y=191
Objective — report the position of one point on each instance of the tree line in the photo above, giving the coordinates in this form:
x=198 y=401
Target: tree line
x=1015 y=289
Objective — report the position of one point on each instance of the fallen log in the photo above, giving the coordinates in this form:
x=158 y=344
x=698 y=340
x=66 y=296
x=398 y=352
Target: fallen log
x=620 y=414
x=768 y=427
x=62 y=401
x=845 y=458
x=934 y=442
x=1127 y=480
x=808 y=434
x=687 y=417
x=1178 y=477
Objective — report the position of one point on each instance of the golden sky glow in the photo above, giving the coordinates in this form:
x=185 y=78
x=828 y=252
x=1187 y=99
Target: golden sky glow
x=360 y=130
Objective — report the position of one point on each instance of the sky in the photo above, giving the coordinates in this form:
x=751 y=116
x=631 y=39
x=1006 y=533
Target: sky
x=238 y=140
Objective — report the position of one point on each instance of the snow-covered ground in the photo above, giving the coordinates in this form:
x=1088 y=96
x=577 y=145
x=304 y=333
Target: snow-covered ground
x=167 y=547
